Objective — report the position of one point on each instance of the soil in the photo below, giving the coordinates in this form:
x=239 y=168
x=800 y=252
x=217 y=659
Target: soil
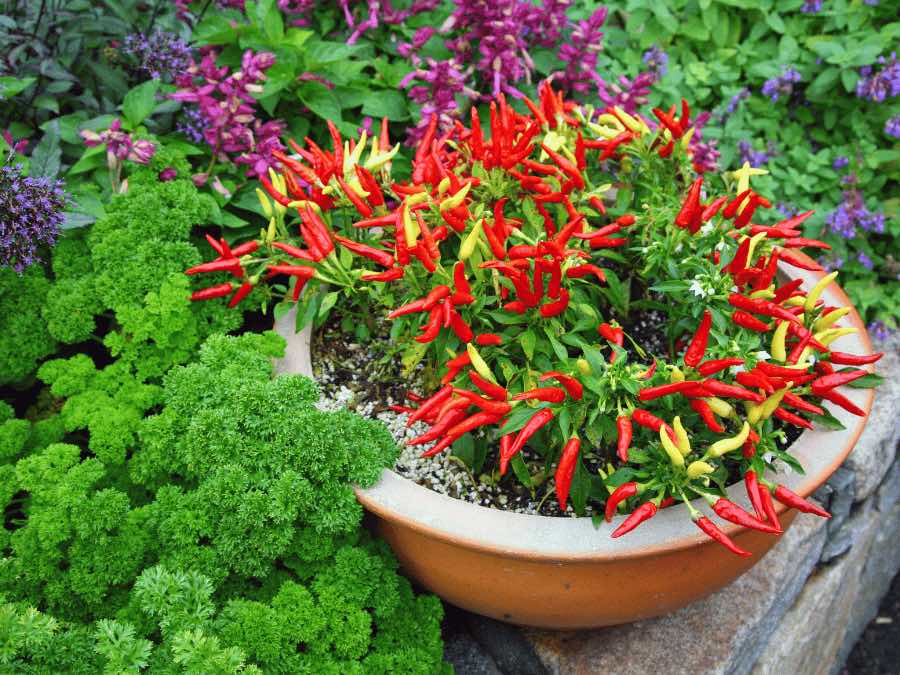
x=362 y=377
x=877 y=652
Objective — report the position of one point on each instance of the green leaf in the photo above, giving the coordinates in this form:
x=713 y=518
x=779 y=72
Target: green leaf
x=268 y=16
x=327 y=303
x=824 y=83
x=10 y=86
x=386 y=103
x=527 y=341
x=140 y=102
x=92 y=158
x=45 y=158
x=867 y=382
x=321 y=100
x=521 y=470
x=827 y=420
x=775 y=22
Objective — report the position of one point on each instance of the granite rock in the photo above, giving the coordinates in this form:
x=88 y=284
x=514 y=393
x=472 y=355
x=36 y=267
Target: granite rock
x=510 y=650
x=467 y=657
x=875 y=451
x=840 y=538
x=723 y=633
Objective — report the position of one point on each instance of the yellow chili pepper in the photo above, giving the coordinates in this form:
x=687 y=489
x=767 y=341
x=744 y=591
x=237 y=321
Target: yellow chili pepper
x=826 y=337
x=796 y=301
x=778 y=350
x=613 y=121
x=633 y=124
x=264 y=202
x=479 y=364
x=817 y=290
x=743 y=175
x=754 y=412
x=676 y=374
x=681 y=437
x=455 y=200
x=754 y=240
x=720 y=407
x=766 y=293
x=410 y=227
x=768 y=406
x=467 y=248
x=417 y=198
x=669 y=446
x=726 y=445
x=443 y=186
x=686 y=139
x=583 y=367
x=382 y=158
x=271 y=233
x=699 y=468
x=830 y=319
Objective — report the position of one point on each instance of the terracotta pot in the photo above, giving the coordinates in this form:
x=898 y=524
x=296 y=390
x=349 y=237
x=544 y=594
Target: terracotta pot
x=564 y=573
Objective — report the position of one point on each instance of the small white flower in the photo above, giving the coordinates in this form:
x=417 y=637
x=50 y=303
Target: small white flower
x=697 y=289
x=763 y=356
x=707 y=228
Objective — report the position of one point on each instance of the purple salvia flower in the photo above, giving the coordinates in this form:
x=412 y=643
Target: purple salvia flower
x=625 y=93
x=756 y=158
x=840 y=162
x=120 y=145
x=851 y=214
x=549 y=22
x=159 y=55
x=167 y=174
x=31 y=213
x=881 y=85
x=811 y=6
x=831 y=264
x=865 y=261
x=787 y=210
x=781 y=86
x=892 y=126
x=657 y=61
x=879 y=330
x=441 y=83
x=580 y=53
x=17 y=147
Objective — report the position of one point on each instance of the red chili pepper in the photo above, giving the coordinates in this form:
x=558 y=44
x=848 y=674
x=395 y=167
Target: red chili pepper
x=773 y=232
x=717 y=388
x=717 y=365
x=241 y=293
x=370 y=185
x=647 y=374
x=619 y=495
x=293 y=270
x=845 y=359
x=452 y=434
x=650 y=393
x=760 y=306
x=338 y=146
x=795 y=401
x=690 y=213
x=294 y=251
x=623 y=426
x=485 y=339
x=754 y=380
x=567 y=167
x=545 y=394
x=409 y=308
x=498 y=408
x=244 y=249
x=752 y=485
x=613 y=144
x=784 y=292
x=222 y=265
x=565 y=470
x=735 y=203
x=803 y=242
x=642 y=513
x=439 y=428
x=495 y=391
x=219 y=291
x=703 y=409
x=581 y=271
x=697 y=348
x=432 y=327
x=807 y=264
x=773 y=370
x=844 y=402
x=650 y=421
x=798 y=348
x=795 y=501
x=538 y=420
x=769 y=507
x=747 y=320
x=379 y=256
x=435 y=295
x=458 y=325
x=829 y=382
x=728 y=510
x=712 y=208
x=320 y=233
x=556 y=307
x=390 y=275
x=716 y=534
x=791 y=418
x=572 y=386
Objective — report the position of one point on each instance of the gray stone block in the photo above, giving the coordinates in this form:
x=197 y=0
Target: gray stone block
x=889 y=491
x=724 y=633
x=467 y=657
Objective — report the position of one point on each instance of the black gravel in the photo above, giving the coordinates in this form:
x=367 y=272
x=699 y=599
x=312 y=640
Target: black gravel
x=877 y=652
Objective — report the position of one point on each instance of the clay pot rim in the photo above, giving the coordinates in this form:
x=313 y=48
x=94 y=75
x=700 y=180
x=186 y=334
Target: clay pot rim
x=547 y=538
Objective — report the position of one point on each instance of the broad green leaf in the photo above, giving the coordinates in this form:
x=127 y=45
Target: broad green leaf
x=140 y=102
x=10 y=86
x=386 y=103
x=321 y=100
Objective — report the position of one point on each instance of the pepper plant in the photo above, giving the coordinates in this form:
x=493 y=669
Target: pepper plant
x=519 y=261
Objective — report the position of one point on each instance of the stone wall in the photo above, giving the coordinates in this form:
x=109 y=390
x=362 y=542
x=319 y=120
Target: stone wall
x=799 y=611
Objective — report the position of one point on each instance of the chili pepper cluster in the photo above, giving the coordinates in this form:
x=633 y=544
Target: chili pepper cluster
x=496 y=258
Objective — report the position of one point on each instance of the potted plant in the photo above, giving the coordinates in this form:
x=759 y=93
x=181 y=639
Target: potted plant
x=575 y=310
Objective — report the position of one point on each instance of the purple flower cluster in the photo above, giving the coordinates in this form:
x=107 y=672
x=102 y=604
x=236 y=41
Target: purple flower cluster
x=704 y=154
x=226 y=106
x=840 y=162
x=811 y=6
x=880 y=331
x=756 y=158
x=120 y=145
x=865 y=260
x=627 y=93
x=781 y=86
x=892 y=126
x=158 y=55
x=851 y=214
x=499 y=28
x=881 y=85
x=31 y=212
x=657 y=61
x=580 y=53
x=441 y=83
